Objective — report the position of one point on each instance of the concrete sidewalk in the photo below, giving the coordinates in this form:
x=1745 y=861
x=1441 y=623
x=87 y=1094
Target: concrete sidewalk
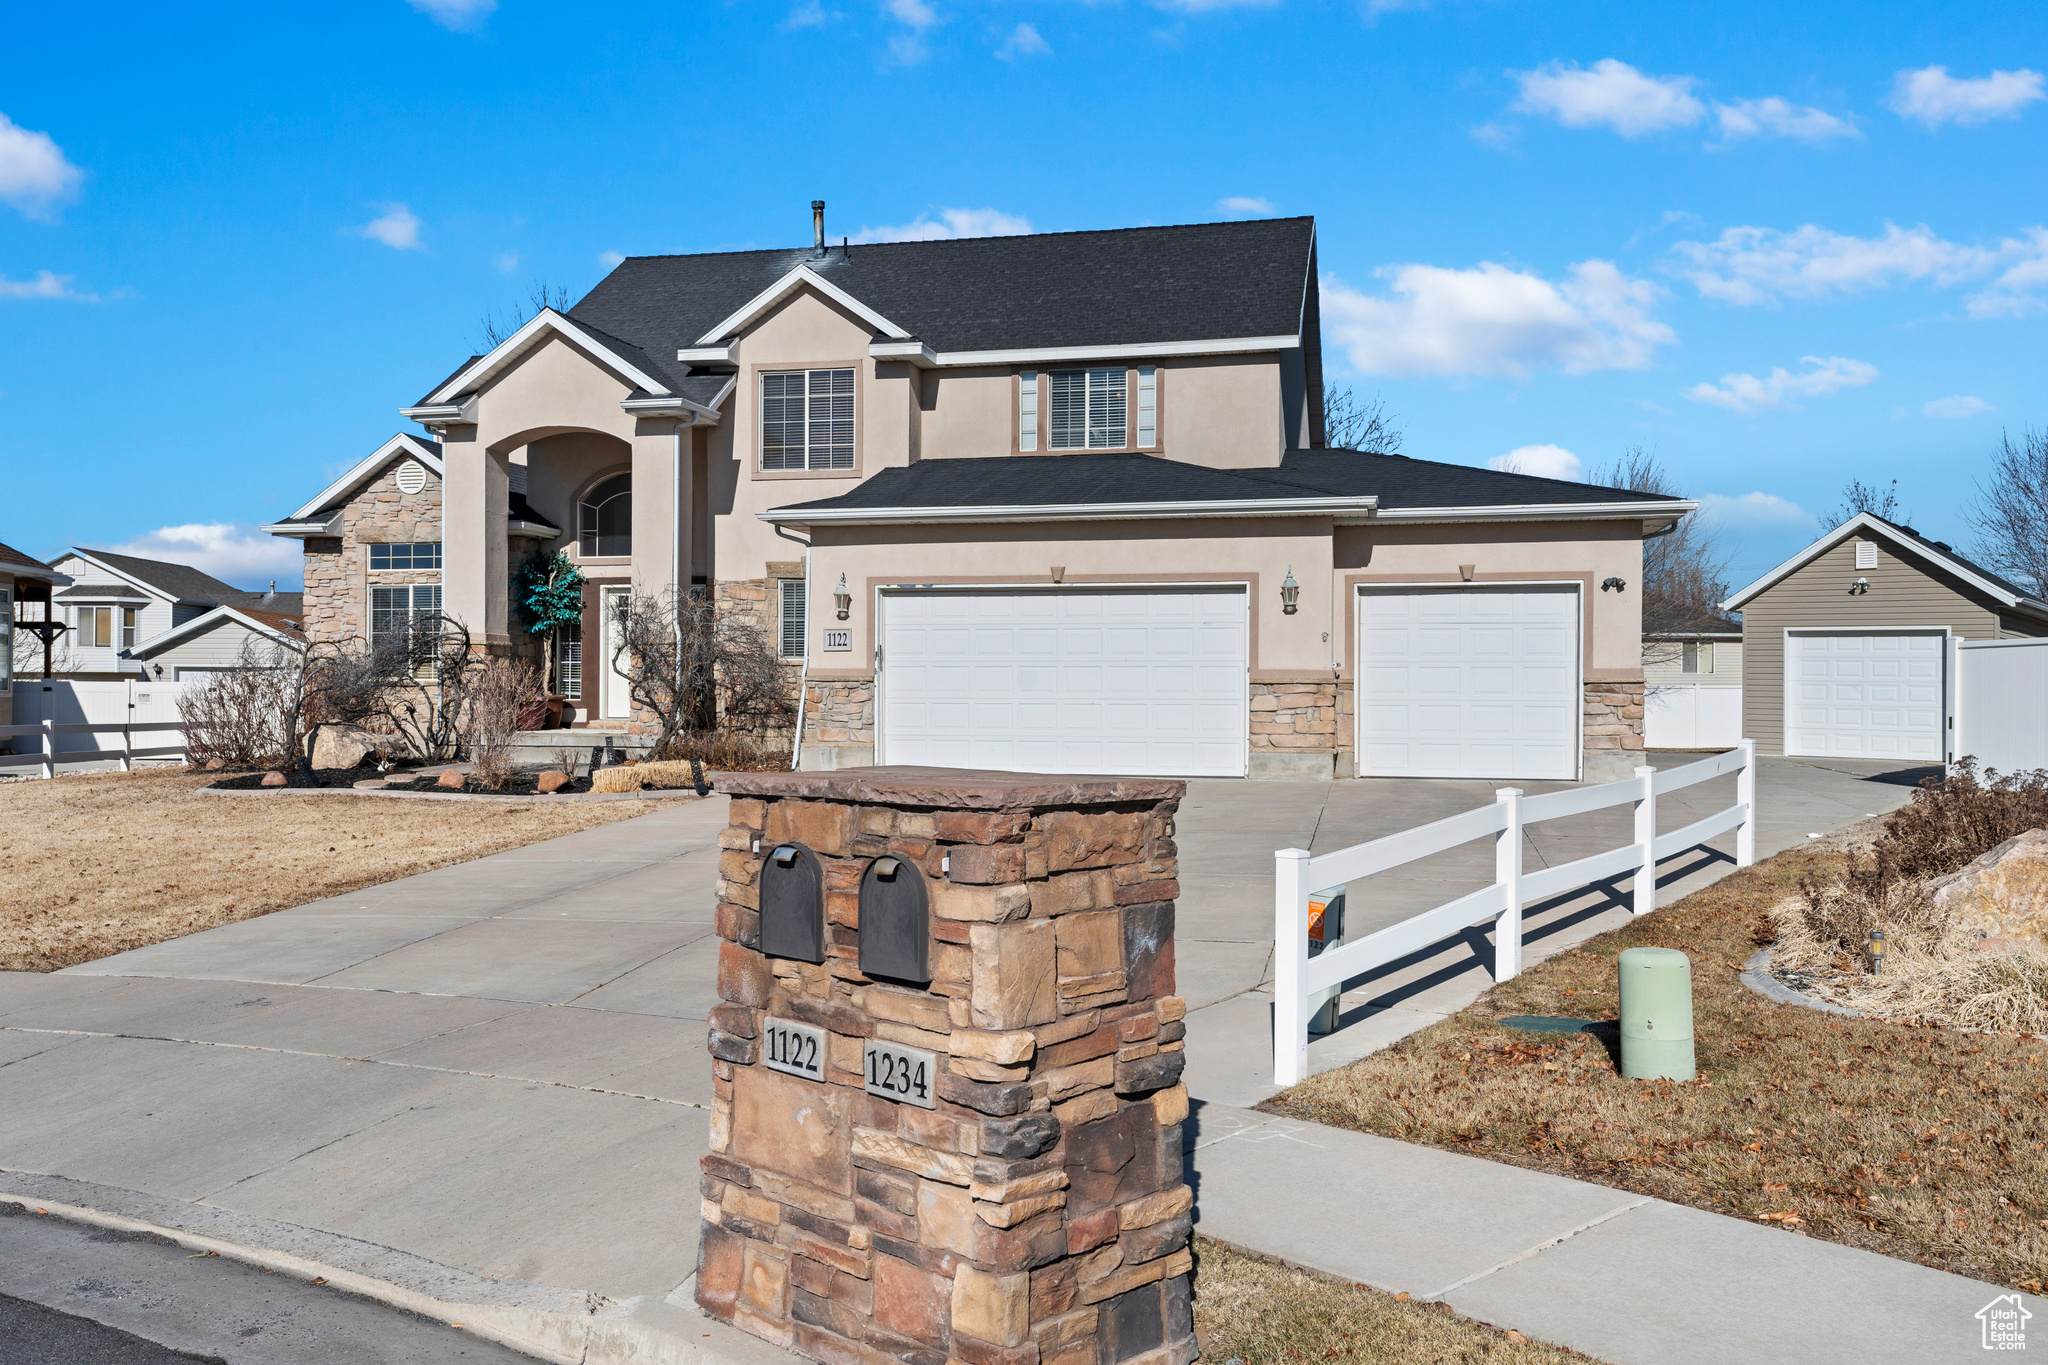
x=484 y=1086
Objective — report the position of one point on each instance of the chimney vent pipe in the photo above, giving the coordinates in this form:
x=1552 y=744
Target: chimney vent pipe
x=818 y=225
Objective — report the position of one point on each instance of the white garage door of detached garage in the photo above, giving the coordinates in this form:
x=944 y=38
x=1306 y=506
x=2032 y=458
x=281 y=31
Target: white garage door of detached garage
x=1865 y=696
x=1141 y=681
x=1478 y=681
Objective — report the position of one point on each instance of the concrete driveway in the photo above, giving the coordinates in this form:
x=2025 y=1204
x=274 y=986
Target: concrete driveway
x=486 y=1084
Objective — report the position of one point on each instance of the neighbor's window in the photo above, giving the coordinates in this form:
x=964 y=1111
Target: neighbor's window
x=1088 y=409
x=6 y=639
x=569 y=660
x=604 y=519
x=792 y=631
x=425 y=554
x=95 y=627
x=807 y=419
x=1696 y=656
x=127 y=627
x=393 y=609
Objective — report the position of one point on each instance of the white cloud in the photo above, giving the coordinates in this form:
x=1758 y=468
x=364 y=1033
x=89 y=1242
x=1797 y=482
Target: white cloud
x=460 y=15
x=1491 y=320
x=1933 y=97
x=1956 y=408
x=396 y=227
x=1211 y=6
x=1545 y=462
x=1245 y=205
x=1024 y=41
x=1755 y=511
x=34 y=176
x=44 y=286
x=1777 y=391
x=508 y=261
x=1612 y=94
x=958 y=223
x=908 y=49
x=1758 y=265
x=1774 y=117
x=610 y=260
x=242 y=555
x=808 y=14
x=1375 y=8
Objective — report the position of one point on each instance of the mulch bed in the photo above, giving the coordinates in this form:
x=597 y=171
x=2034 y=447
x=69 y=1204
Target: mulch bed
x=520 y=784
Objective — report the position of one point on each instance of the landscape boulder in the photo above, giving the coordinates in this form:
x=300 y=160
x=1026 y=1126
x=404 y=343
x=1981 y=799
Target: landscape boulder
x=273 y=778
x=346 y=746
x=452 y=780
x=553 y=780
x=2003 y=894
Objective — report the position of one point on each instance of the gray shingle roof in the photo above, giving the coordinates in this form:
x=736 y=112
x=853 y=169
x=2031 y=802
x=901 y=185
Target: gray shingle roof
x=1061 y=480
x=181 y=582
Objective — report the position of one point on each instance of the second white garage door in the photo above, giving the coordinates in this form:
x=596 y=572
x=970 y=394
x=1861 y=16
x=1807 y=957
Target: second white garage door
x=1864 y=696
x=1469 y=682
x=1145 y=682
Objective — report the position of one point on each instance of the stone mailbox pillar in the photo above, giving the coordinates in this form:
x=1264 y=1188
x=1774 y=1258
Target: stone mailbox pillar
x=983 y=1165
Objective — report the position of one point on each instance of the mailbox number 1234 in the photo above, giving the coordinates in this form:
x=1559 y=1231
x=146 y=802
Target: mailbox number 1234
x=901 y=1073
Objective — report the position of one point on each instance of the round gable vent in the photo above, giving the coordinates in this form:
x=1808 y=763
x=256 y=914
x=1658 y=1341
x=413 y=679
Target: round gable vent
x=412 y=477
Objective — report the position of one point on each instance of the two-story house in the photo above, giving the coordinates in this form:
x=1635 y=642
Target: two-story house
x=119 y=606
x=1058 y=502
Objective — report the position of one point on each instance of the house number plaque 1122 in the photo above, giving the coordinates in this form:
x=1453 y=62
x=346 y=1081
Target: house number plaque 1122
x=798 y=1049
x=901 y=1073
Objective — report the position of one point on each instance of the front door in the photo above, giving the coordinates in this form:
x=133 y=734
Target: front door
x=618 y=696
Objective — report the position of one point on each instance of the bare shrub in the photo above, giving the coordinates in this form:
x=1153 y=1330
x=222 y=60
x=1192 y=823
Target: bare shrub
x=566 y=760
x=694 y=669
x=724 y=751
x=415 y=682
x=253 y=713
x=495 y=692
x=1953 y=821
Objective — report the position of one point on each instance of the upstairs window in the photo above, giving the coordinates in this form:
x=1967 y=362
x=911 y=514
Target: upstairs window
x=95 y=627
x=128 y=615
x=604 y=519
x=425 y=554
x=1089 y=410
x=807 y=419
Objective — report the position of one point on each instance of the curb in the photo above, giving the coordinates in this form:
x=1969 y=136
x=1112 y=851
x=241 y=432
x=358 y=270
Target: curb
x=562 y=1326
x=1756 y=974
x=655 y=794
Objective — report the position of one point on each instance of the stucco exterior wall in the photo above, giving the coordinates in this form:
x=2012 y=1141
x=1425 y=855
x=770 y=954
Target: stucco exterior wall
x=338 y=576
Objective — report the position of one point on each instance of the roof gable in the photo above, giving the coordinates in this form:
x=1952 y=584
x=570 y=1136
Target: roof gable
x=1913 y=547
x=271 y=625
x=403 y=445
x=159 y=578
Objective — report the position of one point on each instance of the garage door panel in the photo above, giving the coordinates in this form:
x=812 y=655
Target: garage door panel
x=1865 y=696
x=1145 y=682
x=1469 y=682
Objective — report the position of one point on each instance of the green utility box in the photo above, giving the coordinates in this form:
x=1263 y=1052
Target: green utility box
x=1656 y=1015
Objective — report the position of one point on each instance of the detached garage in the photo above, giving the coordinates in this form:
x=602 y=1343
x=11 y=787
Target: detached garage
x=1846 y=645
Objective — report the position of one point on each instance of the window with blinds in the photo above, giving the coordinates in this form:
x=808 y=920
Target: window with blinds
x=807 y=419
x=1027 y=410
x=569 y=660
x=393 y=609
x=1089 y=409
x=792 y=630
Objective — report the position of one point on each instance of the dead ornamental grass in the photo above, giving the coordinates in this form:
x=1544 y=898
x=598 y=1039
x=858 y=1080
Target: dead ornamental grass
x=1915 y=1142
x=1265 y=1313
x=96 y=865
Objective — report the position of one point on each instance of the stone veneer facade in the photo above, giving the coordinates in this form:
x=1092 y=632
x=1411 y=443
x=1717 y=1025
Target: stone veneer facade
x=1038 y=1214
x=1614 y=717
x=338 y=576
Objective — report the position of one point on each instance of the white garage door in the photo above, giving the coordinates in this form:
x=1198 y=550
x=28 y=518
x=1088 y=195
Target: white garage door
x=1075 y=680
x=1469 y=682
x=1864 y=696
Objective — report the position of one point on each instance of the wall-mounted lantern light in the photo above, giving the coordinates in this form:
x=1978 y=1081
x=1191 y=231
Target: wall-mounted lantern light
x=1859 y=587
x=842 y=600
x=1613 y=585
x=1290 y=593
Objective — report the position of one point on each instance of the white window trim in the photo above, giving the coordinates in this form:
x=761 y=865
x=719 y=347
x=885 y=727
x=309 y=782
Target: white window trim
x=412 y=603
x=786 y=588
x=1088 y=408
x=807 y=467
x=1027 y=411
x=1148 y=407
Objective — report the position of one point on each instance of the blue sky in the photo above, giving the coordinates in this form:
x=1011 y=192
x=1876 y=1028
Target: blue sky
x=1782 y=246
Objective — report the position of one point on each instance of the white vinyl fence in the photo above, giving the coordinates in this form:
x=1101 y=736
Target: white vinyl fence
x=2001 y=703
x=1692 y=715
x=60 y=721
x=1296 y=874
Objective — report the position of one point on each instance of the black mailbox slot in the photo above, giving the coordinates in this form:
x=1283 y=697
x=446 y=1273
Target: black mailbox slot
x=793 y=904
x=895 y=922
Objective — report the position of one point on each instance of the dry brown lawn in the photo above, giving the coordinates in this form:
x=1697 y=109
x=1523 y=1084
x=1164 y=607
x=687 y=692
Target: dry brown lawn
x=1917 y=1142
x=1265 y=1313
x=95 y=865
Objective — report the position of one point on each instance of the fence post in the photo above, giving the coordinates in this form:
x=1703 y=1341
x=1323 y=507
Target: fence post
x=1507 y=873
x=1290 y=965
x=49 y=748
x=127 y=742
x=1646 y=841
x=1745 y=794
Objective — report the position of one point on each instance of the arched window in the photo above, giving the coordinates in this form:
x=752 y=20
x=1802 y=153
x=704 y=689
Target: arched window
x=604 y=519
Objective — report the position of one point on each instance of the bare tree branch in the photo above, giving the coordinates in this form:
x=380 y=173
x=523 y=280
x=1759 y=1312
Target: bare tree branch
x=2010 y=513
x=494 y=332
x=1353 y=423
x=1858 y=497
x=694 y=669
x=1684 y=571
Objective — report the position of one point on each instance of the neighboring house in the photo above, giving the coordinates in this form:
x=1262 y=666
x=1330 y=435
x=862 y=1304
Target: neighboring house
x=1053 y=502
x=116 y=603
x=216 y=641
x=22 y=581
x=1692 y=678
x=1845 y=645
